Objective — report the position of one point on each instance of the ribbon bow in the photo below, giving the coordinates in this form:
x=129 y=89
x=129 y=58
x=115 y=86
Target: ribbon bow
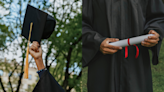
x=126 y=50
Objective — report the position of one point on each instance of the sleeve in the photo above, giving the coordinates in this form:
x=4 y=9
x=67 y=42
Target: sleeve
x=155 y=21
x=40 y=73
x=90 y=38
x=47 y=83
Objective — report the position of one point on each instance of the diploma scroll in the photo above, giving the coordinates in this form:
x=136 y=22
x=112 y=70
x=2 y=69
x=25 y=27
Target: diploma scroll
x=132 y=41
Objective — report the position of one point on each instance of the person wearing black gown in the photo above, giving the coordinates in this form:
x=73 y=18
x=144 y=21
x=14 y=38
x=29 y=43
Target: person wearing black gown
x=107 y=21
x=47 y=82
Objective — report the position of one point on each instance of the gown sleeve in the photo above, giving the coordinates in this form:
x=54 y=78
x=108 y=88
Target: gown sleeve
x=47 y=83
x=155 y=21
x=90 y=38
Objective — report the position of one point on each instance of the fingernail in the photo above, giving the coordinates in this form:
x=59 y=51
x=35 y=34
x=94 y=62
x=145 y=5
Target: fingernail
x=149 y=37
x=120 y=47
x=142 y=42
x=117 y=39
x=146 y=39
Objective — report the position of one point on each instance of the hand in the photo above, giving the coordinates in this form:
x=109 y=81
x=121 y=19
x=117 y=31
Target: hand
x=152 y=40
x=105 y=48
x=36 y=52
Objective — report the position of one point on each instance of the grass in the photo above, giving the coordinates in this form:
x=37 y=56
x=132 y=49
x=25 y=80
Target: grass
x=158 y=77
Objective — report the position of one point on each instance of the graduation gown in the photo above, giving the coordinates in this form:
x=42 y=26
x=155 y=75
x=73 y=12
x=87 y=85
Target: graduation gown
x=47 y=83
x=120 y=19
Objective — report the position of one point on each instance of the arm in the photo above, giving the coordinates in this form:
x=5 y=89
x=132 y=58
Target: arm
x=92 y=40
x=155 y=21
x=47 y=82
x=36 y=52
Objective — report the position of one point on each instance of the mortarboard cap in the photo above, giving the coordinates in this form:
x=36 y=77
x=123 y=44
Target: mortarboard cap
x=43 y=24
x=37 y=25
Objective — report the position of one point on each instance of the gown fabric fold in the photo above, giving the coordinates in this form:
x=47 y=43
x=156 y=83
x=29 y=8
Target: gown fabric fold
x=47 y=83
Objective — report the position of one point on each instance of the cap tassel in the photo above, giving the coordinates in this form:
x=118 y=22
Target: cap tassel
x=27 y=53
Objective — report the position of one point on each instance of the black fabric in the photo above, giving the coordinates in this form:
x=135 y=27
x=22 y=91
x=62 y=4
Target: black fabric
x=47 y=83
x=40 y=73
x=43 y=24
x=120 y=19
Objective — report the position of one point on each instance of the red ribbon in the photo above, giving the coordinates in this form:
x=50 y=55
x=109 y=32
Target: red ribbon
x=126 y=50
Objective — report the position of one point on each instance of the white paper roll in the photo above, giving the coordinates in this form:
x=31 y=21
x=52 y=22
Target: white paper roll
x=134 y=40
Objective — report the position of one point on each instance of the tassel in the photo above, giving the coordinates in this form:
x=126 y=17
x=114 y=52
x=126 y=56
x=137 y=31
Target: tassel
x=27 y=53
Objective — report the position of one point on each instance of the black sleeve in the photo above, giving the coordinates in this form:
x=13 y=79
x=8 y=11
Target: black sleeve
x=47 y=83
x=155 y=21
x=90 y=38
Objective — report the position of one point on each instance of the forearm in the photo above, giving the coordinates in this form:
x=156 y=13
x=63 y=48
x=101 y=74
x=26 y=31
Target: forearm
x=39 y=63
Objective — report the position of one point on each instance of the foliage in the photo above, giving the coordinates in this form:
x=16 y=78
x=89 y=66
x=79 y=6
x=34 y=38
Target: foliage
x=63 y=48
x=65 y=45
x=6 y=36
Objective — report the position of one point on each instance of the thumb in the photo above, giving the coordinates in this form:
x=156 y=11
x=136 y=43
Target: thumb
x=151 y=32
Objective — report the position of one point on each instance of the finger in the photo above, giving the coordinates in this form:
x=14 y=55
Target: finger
x=36 y=47
x=36 y=43
x=146 y=44
x=108 y=40
x=113 y=47
x=153 y=37
x=109 y=51
x=40 y=50
x=150 y=32
x=151 y=41
x=31 y=51
x=154 y=32
x=33 y=48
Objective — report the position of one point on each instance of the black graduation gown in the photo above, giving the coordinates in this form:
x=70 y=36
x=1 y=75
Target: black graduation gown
x=47 y=83
x=120 y=19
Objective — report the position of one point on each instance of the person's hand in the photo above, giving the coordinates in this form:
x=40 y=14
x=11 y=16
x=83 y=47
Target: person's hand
x=152 y=40
x=36 y=52
x=105 y=48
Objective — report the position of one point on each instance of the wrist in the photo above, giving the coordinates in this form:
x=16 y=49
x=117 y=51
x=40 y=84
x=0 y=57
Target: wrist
x=38 y=59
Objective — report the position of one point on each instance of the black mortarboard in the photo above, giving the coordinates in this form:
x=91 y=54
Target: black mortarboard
x=37 y=25
x=43 y=24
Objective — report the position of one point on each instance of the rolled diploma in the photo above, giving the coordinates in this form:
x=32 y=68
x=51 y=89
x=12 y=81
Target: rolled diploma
x=134 y=40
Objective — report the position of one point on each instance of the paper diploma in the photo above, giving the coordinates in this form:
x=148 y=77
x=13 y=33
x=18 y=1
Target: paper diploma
x=132 y=41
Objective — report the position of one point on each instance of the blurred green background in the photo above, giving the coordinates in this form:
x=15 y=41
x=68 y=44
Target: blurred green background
x=62 y=53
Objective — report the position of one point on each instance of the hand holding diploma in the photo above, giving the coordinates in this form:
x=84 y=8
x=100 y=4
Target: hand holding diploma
x=152 y=40
x=105 y=48
x=112 y=45
x=148 y=40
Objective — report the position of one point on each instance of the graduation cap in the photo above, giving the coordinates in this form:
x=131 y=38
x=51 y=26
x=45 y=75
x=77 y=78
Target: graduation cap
x=37 y=25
